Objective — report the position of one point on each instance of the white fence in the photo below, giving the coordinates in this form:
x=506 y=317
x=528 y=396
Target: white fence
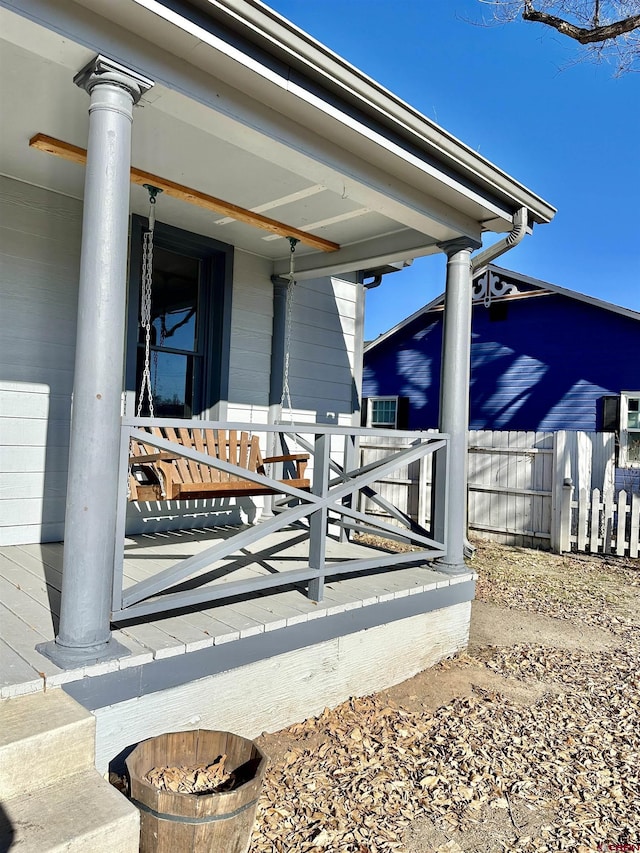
x=516 y=487
x=601 y=524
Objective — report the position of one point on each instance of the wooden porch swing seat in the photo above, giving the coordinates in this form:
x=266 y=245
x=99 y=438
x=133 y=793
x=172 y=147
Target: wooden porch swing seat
x=163 y=475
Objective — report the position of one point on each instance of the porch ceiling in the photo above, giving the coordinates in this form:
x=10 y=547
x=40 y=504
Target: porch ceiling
x=40 y=97
x=212 y=124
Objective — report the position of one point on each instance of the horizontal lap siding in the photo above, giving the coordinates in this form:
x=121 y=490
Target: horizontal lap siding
x=540 y=368
x=39 y=267
x=323 y=342
x=545 y=367
x=251 y=329
x=39 y=260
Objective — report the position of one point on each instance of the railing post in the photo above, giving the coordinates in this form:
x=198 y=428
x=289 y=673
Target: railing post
x=565 y=516
x=318 y=519
x=349 y=463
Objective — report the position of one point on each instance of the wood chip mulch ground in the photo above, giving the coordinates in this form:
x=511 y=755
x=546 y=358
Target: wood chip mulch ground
x=482 y=773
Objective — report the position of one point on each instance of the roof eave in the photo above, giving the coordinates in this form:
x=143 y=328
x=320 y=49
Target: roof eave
x=260 y=22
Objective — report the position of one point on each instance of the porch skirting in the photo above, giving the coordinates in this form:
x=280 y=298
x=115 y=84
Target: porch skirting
x=255 y=685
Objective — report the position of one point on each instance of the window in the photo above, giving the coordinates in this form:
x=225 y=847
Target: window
x=630 y=429
x=385 y=412
x=190 y=322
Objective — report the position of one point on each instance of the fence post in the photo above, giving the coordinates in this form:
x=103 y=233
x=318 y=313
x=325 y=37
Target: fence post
x=564 y=543
x=559 y=472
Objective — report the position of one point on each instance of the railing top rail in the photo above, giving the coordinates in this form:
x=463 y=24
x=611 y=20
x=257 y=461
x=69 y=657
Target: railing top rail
x=302 y=428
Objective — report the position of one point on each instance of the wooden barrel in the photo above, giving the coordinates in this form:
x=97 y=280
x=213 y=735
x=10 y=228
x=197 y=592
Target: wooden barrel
x=196 y=823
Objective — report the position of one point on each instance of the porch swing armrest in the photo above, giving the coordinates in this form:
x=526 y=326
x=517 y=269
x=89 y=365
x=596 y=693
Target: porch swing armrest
x=301 y=460
x=292 y=457
x=152 y=457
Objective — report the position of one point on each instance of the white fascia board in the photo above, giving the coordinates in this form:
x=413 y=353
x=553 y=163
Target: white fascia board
x=379 y=101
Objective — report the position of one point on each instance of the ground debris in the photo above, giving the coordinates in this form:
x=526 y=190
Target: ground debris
x=481 y=773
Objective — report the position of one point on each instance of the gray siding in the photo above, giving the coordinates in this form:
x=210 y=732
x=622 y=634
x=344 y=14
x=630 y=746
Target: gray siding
x=39 y=263
x=251 y=327
x=323 y=341
x=39 y=258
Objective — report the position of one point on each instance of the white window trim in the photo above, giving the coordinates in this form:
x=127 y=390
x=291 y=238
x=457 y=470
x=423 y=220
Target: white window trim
x=625 y=432
x=371 y=401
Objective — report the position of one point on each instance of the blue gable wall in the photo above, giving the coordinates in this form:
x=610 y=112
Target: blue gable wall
x=545 y=367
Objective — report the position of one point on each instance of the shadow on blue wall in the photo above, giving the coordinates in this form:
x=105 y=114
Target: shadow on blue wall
x=541 y=363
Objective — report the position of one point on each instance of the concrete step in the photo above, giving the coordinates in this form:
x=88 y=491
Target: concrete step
x=43 y=738
x=81 y=813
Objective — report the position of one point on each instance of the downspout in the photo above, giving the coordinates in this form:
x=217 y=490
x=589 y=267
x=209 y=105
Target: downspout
x=376 y=282
x=515 y=236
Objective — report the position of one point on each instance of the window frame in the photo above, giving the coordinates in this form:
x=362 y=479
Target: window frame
x=626 y=431
x=216 y=288
x=382 y=399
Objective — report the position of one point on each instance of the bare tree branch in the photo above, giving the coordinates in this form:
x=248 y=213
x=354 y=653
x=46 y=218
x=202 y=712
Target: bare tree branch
x=584 y=35
x=608 y=29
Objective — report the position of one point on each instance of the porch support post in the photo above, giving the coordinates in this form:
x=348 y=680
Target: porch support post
x=84 y=633
x=278 y=335
x=454 y=401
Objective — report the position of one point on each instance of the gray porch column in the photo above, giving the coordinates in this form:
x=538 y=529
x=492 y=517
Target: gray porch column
x=454 y=398
x=84 y=634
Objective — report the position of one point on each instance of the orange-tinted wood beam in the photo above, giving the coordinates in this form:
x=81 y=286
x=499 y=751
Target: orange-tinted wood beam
x=79 y=155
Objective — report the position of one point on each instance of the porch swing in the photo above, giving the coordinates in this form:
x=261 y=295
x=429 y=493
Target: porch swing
x=165 y=475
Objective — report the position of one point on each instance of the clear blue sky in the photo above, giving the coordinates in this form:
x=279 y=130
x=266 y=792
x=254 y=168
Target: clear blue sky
x=569 y=131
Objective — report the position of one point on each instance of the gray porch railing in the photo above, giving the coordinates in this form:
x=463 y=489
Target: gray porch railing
x=333 y=497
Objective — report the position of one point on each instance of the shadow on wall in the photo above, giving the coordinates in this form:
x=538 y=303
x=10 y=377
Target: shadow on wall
x=536 y=368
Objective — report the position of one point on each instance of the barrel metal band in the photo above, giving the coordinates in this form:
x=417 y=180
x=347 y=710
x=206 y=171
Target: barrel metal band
x=185 y=819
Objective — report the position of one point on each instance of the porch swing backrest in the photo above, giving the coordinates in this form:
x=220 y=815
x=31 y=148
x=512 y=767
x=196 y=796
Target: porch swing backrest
x=156 y=475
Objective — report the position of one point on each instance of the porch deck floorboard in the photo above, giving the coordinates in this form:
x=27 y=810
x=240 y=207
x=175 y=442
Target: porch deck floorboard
x=30 y=582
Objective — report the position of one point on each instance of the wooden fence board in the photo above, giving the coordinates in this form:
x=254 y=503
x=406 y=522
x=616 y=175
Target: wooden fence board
x=603 y=525
x=635 y=526
x=622 y=523
x=516 y=490
x=594 y=538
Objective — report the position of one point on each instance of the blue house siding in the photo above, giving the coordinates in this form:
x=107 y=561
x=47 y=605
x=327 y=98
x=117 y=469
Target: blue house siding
x=544 y=366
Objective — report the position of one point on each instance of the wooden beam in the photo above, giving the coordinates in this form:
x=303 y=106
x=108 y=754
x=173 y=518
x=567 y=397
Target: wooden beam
x=79 y=155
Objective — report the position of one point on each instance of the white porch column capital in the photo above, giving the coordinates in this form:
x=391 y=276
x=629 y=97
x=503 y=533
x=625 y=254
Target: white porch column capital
x=102 y=70
x=459 y=244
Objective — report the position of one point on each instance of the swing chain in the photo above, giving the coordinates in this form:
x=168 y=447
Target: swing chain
x=145 y=301
x=286 y=393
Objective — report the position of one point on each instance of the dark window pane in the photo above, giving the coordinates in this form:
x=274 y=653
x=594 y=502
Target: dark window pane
x=633 y=449
x=171 y=384
x=174 y=301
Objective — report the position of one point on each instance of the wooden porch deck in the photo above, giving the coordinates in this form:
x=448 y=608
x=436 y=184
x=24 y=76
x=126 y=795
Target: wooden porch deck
x=30 y=583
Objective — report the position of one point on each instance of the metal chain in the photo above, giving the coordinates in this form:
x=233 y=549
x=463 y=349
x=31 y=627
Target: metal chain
x=145 y=304
x=286 y=393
